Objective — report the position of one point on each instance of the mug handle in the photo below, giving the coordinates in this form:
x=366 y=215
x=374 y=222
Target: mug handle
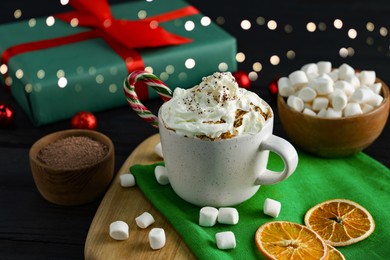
x=288 y=154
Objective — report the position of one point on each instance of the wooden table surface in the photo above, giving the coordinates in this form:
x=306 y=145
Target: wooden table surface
x=32 y=228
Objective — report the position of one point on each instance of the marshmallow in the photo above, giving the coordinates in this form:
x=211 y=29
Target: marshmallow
x=127 y=180
x=367 y=77
x=310 y=69
x=375 y=100
x=334 y=74
x=362 y=95
x=158 y=150
x=144 y=220
x=225 y=240
x=345 y=86
x=324 y=67
x=228 y=216
x=295 y=103
x=272 y=207
x=339 y=101
x=333 y=113
x=324 y=85
x=352 y=109
x=345 y=70
x=366 y=108
x=307 y=94
x=327 y=93
x=320 y=103
x=322 y=113
x=119 y=230
x=376 y=87
x=298 y=78
x=157 y=238
x=353 y=80
x=208 y=216
x=161 y=174
x=308 y=111
x=285 y=88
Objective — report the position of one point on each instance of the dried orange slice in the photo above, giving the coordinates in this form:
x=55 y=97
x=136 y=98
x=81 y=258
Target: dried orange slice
x=335 y=254
x=287 y=240
x=340 y=222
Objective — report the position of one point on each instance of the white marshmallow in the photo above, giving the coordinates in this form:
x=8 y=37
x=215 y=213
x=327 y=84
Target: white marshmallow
x=208 y=216
x=376 y=87
x=272 y=207
x=366 y=108
x=375 y=100
x=227 y=215
x=298 y=78
x=119 y=230
x=324 y=67
x=295 y=103
x=157 y=238
x=353 y=80
x=161 y=174
x=335 y=93
x=225 y=240
x=284 y=87
x=324 y=86
x=320 y=103
x=158 y=150
x=312 y=76
x=333 y=113
x=127 y=180
x=339 y=101
x=345 y=70
x=144 y=220
x=367 y=77
x=322 y=112
x=307 y=94
x=334 y=74
x=345 y=86
x=362 y=95
x=352 y=109
x=308 y=111
x=310 y=69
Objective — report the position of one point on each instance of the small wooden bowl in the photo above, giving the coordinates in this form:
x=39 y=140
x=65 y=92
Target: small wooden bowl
x=72 y=186
x=334 y=137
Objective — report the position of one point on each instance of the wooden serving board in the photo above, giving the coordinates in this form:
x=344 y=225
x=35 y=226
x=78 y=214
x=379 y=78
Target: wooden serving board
x=126 y=204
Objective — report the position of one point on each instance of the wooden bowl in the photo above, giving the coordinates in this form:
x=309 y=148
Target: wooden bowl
x=72 y=186
x=334 y=137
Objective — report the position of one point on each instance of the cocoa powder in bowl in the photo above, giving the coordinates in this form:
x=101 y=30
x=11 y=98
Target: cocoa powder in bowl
x=72 y=153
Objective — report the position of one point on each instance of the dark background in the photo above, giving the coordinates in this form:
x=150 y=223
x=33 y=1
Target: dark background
x=32 y=228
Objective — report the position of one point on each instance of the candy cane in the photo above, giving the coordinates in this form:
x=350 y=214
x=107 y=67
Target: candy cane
x=144 y=79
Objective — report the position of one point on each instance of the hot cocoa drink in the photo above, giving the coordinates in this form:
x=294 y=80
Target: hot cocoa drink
x=215 y=109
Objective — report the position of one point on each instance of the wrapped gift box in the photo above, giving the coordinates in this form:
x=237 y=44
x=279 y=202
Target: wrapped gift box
x=53 y=79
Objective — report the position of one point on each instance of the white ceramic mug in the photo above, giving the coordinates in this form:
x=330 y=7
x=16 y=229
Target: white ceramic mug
x=223 y=172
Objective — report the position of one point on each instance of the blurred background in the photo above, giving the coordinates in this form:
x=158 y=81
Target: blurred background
x=274 y=38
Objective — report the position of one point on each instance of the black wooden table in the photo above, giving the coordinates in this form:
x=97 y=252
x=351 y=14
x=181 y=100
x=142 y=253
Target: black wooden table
x=32 y=228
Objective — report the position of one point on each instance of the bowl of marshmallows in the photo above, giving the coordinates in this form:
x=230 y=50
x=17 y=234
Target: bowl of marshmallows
x=332 y=112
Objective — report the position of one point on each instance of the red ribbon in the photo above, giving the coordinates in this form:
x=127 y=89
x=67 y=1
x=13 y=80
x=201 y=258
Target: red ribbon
x=123 y=36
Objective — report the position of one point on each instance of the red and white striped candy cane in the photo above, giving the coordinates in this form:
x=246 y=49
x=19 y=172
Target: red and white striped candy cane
x=143 y=78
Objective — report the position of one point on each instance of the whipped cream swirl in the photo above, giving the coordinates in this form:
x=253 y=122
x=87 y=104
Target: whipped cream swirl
x=217 y=108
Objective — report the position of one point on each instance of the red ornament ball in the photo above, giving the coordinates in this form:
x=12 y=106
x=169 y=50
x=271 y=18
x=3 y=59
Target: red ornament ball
x=7 y=115
x=242 y=79
x=84 y=120
x=273 y=87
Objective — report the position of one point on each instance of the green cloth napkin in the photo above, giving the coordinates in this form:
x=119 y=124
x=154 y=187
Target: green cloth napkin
x=359 y=178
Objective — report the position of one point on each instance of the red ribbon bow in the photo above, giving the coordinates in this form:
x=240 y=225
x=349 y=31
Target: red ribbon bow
x=131 y=34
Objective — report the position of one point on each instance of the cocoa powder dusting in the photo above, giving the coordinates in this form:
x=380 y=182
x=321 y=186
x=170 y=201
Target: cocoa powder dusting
x=72 y=152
